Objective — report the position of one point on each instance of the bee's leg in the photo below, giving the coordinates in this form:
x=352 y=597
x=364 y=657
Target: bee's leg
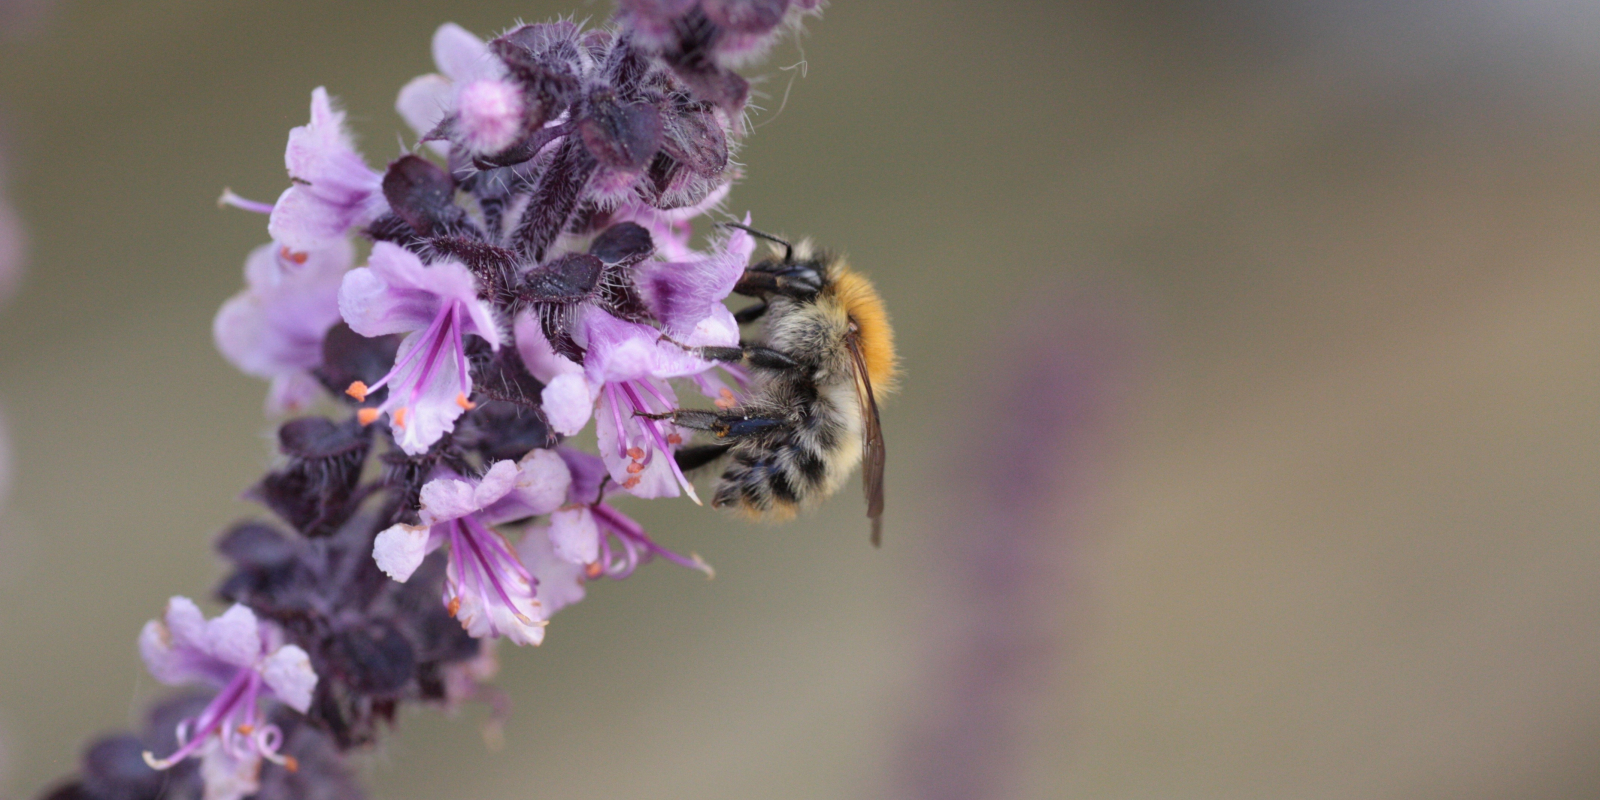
x=749 y=356
x=722 y=424
x=800 y=281
x=749 y=314
x=692 y=458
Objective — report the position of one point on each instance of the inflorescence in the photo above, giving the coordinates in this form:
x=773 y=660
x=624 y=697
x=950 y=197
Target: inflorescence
x=530 y=271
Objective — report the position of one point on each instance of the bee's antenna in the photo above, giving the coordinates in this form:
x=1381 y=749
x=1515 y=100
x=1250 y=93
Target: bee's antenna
x=788 y=249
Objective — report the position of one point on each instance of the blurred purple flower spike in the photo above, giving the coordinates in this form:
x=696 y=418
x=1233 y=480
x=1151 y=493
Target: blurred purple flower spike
x=13 y=246
x=1028 y=476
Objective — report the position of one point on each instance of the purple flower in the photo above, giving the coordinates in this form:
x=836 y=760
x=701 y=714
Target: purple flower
x=487 y=587
x=274 y=328
x=670 y=229
x=625 y=369
x=438 y=306
x=248 y=662
x=626 y=365
x=333 y=191
x=686 y=293
x=591 y=532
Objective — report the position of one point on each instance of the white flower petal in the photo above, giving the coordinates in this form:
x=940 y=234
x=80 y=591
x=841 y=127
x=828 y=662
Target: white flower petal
x=423 y=103
x=574 y=536
x=560 y=580
x=288 y=672
x=226 y=775
x=498 y=482
x=164 y=663
x=567 y=403
x=444 y=499
x=235 y=637
x=400 y=549
x=459 y=54
x=543 y=481
x=185 y=625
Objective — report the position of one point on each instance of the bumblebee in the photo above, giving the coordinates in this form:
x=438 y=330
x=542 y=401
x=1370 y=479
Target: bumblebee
x=810 y=413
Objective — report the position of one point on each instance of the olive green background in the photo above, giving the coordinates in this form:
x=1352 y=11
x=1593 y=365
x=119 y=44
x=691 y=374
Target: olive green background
x=1341 y=541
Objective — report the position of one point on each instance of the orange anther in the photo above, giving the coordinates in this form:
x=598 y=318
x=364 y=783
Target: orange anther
x=461 y=400
x=358 y=390
x=593 y=570
x=367 y=416
x=635 y=453
x=631 y=482
x=400 y=417
x=673 y=438
x=246 y=730
x=455 y=605
x=635 y=468
x=290 y=255
x=291 y=763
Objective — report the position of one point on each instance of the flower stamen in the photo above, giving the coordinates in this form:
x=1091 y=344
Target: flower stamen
x=228 y=198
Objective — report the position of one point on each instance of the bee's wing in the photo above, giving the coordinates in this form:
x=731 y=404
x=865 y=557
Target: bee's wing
x=872 y=455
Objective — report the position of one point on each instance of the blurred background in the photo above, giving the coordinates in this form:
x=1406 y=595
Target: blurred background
x=1248 y=445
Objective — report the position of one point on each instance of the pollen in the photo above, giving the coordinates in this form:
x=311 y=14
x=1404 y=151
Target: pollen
x=635 y=453
x=400 y=417
x=673 y=438
x=461 y=400
x=358 y=390
x=367 y=416
x=289 y=255
x=593 y=570
x=725 y=399
x=631 y=482
x=635 y=468
x=455 y=605
x=246 y=729
x=291 y=763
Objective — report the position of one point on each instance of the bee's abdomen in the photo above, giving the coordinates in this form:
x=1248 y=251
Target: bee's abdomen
x=770 y=481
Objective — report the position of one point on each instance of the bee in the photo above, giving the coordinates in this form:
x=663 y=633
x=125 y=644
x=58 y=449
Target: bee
x=810 y=414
